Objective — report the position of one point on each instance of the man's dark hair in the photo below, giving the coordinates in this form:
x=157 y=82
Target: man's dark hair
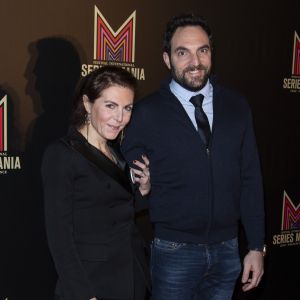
x=182 y=20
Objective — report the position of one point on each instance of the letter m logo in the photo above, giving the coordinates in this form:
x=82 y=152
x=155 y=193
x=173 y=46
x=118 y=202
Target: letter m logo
x=3 y=124
x=110 y=45
x=290 y=214
x=296 y=55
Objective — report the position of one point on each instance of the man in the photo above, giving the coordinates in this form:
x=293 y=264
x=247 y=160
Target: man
x=205 y=174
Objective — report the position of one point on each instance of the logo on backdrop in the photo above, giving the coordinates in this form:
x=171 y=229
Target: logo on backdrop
x=110 y=45
x=7 y=162
x=293 y=83
x=114 y=47
x=290 y=224
x=3 y=124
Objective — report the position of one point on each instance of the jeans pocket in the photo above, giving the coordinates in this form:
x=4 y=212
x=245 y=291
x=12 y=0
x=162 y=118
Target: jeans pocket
x=232 y=244
x=166 y=245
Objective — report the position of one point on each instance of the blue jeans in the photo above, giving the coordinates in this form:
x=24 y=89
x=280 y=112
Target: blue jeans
x=182 y=271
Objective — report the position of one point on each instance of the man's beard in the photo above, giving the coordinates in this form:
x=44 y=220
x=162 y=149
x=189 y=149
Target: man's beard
x=194 y=84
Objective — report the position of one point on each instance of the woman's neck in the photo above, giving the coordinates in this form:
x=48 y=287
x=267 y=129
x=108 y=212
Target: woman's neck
x=98 y=142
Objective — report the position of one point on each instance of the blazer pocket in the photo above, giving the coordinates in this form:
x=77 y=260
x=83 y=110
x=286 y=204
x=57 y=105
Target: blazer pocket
x=93 y=252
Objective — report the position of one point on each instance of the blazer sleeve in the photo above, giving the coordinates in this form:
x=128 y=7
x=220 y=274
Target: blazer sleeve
x=57 y=174
x=140 y=202
x=252 y=203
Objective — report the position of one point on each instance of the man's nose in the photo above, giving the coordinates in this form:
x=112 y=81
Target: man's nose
x=196 y=59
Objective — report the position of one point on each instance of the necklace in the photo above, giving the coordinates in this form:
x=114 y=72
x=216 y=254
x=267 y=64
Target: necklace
x=109 y=155
x=106 y=150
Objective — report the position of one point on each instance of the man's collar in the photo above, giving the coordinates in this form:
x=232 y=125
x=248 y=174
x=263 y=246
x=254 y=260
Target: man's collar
x=185 y=94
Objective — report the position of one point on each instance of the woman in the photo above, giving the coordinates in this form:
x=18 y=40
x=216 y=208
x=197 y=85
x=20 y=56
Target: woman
x=89 y=198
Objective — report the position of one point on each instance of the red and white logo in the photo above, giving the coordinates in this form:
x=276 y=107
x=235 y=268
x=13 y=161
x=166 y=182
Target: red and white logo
x=293 y=82
x=114 y=47
x=110 y=45
x=3 y=124
x=296 y=56
x=290 y=214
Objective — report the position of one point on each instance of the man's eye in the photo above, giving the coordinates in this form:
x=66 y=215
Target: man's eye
x=181 y=53
x=204 y=50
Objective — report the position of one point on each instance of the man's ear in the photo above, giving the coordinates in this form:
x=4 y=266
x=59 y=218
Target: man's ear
x=167 y=60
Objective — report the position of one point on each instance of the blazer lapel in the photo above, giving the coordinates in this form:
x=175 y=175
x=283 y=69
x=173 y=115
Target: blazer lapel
x=102 y=163
x=218 y=108
x=175 y=104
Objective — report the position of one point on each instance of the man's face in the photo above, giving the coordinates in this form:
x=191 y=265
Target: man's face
x=190 y=57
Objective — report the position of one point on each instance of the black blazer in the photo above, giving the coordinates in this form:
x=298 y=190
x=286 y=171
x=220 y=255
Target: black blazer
x=90 y=222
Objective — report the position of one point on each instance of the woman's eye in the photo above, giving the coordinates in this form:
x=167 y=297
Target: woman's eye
x=128 y=108
x=111 y=106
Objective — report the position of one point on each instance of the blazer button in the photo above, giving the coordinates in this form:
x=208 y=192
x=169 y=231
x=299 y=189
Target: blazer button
x=114 y=223
x=108 y=185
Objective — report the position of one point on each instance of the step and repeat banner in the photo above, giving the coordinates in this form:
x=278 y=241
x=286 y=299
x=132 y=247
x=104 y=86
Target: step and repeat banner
x=46 y=46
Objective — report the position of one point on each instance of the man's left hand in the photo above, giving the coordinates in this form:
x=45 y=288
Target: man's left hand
x=253 y=270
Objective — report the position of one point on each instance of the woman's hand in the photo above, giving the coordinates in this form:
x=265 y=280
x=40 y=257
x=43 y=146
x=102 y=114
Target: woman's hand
x=142 y=175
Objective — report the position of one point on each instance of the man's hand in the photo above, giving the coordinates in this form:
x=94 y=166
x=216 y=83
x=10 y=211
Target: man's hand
x=253 y=270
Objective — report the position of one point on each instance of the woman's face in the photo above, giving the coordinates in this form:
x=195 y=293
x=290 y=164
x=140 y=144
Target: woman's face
x=110 y=113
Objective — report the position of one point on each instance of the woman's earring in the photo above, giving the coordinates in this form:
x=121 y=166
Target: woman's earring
x=87 y=123
x=87 y=118
x=122 y=136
